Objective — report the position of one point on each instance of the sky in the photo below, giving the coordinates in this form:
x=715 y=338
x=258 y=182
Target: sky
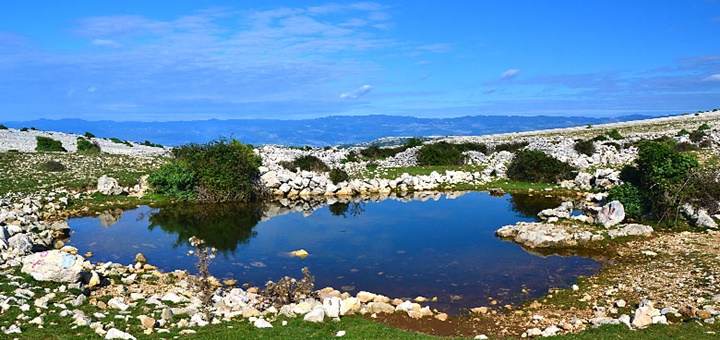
x=189 y=60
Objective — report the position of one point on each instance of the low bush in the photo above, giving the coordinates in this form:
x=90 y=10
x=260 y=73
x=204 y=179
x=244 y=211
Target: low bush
x=683 y=132
x=585 y=147
x=119 y=141
x=538 y=167
x=632 y=199
x=376 y=152
x=511 y=147
x=148 y=143
x=470 y=146
x=87 y=147
x=661 y=176
x=89 y=135
x=307 y=163
x=338 y=175
x=697 y=136
x=52 y=166
x=614 y=134
x=3 y=127
x=48 y=144
x=352 y=156
x=703 y=127
x=218 y=171
x=24 y=129
x=685 y=146
x=441 y=153
x=176 y=180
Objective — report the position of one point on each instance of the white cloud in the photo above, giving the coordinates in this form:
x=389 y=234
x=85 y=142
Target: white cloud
x=511 y=73
x=357 y=93
x=105 y=42
x=714 y=77
x=92 y=89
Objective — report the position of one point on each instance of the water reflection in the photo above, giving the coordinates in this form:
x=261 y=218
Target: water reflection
x=222 y=226
x=428 y=244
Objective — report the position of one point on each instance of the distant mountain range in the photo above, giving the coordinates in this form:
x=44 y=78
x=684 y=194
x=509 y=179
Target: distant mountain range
x=334 y=130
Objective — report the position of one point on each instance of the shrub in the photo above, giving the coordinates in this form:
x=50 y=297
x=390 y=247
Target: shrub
x=510 y=147
x=119 y=141
x=470 y=146
x=85 y=146
x=52 y=166
x=48 y=144
x=218 y=171
x=307 y=163
x=660 y=175
x=441 y=153
x=89 y=135
x=3 y=127
x=585 y=147
x=338 y=175
x=352 y=156
x=632 y=199
x=614 y=134
x=147 y=143
x=703 y=127
x=536 y=166
x=685 y=146
x=683 y=132
x=176 y=179
x=413 y=142
x=376 y=152
x=599 y=138
x=24 y=129
x=697 y=135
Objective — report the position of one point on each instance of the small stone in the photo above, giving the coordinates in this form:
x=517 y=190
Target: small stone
x=114 y=333
x=301 y=253
x=441 y=316
x=317 y=315
x=147 y=322
x=703 y=314
x=262 y=323
x=340 y=333
x=140 y=258
x=479 y=310
x=620 y=303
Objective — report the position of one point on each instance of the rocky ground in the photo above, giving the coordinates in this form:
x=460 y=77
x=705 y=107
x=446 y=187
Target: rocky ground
x=650 y=276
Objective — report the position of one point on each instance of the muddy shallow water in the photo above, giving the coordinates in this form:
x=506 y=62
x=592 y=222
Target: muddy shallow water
x=444 y=248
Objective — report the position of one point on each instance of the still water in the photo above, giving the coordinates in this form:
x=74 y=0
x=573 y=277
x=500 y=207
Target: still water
x=444 y=248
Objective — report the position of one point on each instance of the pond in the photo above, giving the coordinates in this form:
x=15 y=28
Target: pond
x=443 y=247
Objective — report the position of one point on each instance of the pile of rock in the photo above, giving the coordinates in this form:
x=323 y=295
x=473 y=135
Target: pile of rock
x=304 y=184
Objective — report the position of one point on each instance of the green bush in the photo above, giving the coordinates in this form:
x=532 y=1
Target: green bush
x=470 y=146
x=697 y=135
x=510 y=147
x=599 y=138
x=614 y=134
x=538 y=167
x=660 y=174
x=413 y=142
x=119 y=141
x=585 y=147
x=24 y=129
x=86 y=146
x=631 y=198
x=52 y=166
x=3 y=127
x=89 y=135
x=683 y=132
x=376 y=152
x=352 y=156
x=441 y=153
x=48 y=144
x=338 y=175
x=147 y=143
x=703 y=127
x=685 y=146
x=218 y=171
x=307 y=163
x=176 y=179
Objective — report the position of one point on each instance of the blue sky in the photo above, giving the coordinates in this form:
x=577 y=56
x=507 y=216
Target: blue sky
x=184 y=60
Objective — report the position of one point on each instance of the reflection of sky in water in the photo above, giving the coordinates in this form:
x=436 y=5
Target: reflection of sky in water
x=433 y=248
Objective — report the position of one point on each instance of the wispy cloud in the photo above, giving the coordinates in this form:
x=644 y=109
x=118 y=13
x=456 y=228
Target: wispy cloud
x=357 y=93
x=509 y=74
x=714 y=77
x=105 y=42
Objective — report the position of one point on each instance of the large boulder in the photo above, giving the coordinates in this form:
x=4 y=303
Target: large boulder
x=108 y=186
x=53 y=265
x=699 y=218
x=563 y=211
x=611 y=214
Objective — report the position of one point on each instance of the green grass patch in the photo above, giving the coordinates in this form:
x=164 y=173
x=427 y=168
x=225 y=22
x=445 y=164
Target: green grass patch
x=47 y=144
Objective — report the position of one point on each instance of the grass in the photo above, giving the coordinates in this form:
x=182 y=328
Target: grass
x=20 y=170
